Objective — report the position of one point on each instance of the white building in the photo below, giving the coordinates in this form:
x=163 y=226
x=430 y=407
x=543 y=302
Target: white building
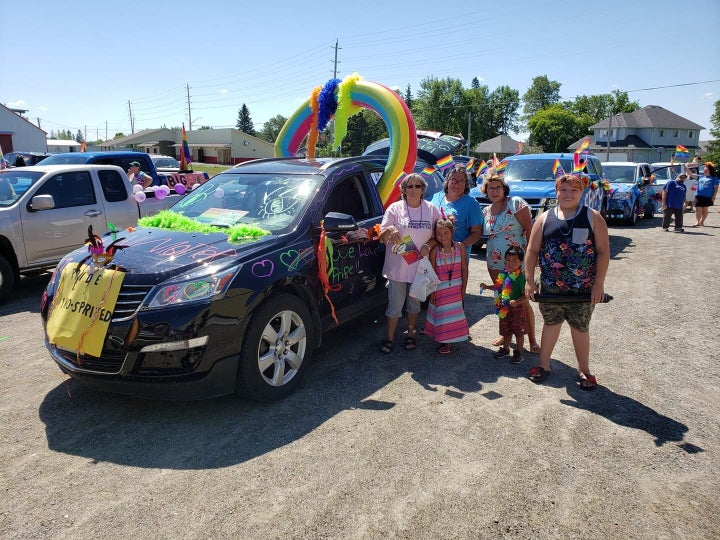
x=18 y=134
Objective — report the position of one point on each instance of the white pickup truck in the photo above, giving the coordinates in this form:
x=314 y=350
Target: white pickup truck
x=45 y=212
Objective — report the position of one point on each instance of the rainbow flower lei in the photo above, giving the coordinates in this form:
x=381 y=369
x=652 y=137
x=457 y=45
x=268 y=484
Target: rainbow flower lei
x=503 y=288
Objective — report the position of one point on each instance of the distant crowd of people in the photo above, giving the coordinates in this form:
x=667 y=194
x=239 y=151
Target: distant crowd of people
x=674 y=194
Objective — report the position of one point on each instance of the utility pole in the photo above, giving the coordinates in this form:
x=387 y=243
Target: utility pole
x=85 y=133
x=335 y=63
x=38 y=120
x=132 y=120
x=609 y=131
x=106 y=130
x=189 y=111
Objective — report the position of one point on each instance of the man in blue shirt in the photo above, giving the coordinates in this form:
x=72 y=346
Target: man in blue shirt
x=673 y=201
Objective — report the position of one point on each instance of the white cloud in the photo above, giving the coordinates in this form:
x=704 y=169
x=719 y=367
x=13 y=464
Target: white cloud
x=19 y=104
x=479 y=78
x=42 y=108
x=224 y=91
x=708 y=94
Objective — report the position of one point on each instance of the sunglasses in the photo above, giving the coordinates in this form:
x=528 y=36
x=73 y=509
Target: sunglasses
x=416 y=186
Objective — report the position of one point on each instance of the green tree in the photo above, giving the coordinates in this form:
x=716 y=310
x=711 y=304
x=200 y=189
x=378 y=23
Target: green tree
x=408 y=97
x=713 y=153
x=504 y=106
x=79 y=137
x=272 y=128
x=363 y=128
x=554 y=128
x=441 y=105
x=475 y=83
x=244 y=122
x=542 y=93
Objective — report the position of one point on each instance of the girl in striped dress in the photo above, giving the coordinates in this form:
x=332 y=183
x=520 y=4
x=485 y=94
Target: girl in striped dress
x=445 y=320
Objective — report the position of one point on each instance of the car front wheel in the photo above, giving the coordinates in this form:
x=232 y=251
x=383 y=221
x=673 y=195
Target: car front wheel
x=276 y=349
x=7 y=278
x=633 y=218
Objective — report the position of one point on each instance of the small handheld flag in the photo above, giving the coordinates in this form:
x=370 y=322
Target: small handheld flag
x=445 y=162
x=470 y=164
x=681 y=152
x=583 y=145
x=185 y=155
x=500 y=169
x=83 y=147
x=557 y=169
x=482 y=168
x=495 y=160
x=428 y=170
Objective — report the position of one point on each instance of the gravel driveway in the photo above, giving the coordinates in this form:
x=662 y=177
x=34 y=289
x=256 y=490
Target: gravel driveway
x=412 y=445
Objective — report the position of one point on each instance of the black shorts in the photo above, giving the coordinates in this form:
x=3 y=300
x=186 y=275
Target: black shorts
x=702 y=201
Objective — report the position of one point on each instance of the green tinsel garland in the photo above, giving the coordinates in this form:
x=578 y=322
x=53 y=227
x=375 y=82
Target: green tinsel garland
x=166 y=219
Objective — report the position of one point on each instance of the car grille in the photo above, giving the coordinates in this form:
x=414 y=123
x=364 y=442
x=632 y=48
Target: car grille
x=129 y=300
x=109 y=363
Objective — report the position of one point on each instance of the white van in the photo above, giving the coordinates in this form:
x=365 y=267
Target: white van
x=665 y=171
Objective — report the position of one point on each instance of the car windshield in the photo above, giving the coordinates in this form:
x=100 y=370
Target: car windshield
x=63 y=159
x=665 y=172
x=166 y=163
x=15 y=182
x=620 y=174
x=273 y=202
x=534 y=170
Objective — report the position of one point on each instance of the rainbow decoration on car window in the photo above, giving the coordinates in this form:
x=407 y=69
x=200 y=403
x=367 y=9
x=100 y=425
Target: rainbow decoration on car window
x=356 y=94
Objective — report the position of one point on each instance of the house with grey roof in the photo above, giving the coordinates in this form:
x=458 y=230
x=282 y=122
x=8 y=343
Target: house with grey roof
x=502 y=146
x=648 y=134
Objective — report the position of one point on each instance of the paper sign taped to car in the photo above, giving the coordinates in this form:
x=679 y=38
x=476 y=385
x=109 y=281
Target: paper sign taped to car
x=82 y=309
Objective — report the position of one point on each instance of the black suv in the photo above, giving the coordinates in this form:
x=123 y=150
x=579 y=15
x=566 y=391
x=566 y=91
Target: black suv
x=199 y=315
x=28 y=158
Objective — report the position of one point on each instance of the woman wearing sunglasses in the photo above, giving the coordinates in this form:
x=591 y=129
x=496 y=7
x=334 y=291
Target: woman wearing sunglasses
x=407 y=229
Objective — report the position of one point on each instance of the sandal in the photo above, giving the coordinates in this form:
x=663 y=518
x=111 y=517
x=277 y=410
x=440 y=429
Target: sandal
x=444 y=348
x=386 y=346
x=502 y=351
x=409 y=343
x=535 y=349
x=588 y=382
x=538 y=374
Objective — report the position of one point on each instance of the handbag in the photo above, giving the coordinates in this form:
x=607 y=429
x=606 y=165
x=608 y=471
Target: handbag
x=425 y=281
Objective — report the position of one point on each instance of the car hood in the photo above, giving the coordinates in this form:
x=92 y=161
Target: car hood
x=618 y=187
x=153 y=255
x=532 y=189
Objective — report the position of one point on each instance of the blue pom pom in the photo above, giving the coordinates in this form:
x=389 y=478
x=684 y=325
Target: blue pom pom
x=327 y=104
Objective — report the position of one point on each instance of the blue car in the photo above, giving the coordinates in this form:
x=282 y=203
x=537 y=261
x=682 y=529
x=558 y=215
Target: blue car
x=633 y=192
x=531 y=177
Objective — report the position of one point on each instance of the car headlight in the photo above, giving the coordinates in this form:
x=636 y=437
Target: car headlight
x=194 y=289
x=622 y=195
x=551 y=202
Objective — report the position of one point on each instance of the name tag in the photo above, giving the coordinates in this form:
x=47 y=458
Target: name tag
x=579 y=236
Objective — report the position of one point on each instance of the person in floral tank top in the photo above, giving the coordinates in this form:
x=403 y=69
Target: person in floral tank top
x=572 y=246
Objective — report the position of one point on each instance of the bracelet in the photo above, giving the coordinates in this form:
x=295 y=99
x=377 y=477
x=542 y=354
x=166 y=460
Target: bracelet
x=426 y=245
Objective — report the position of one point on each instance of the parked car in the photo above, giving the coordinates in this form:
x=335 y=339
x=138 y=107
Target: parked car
x=665 y=171
x=530 y=176
x=28 y=158
x=165 y=163
x=199 y=315
x=45 y=212
x=123 y=160
x=632 y=191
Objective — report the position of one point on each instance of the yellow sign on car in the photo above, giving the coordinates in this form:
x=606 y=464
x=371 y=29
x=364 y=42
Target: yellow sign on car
x=82 y=309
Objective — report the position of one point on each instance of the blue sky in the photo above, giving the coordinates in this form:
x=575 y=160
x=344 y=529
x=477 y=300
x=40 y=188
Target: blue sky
x=77 y=64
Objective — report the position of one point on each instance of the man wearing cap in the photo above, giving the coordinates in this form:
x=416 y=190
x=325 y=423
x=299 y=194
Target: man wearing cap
x=136 y=176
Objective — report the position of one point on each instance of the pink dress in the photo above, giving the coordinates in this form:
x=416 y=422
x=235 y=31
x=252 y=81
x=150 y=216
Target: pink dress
x=445 y=320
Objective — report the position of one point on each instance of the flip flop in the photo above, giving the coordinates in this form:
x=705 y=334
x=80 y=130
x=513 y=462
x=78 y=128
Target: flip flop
x=588 y=382
x=535 y=349
x=386 y=346
x=444 y=349
x=538 y=374
x=410 y=343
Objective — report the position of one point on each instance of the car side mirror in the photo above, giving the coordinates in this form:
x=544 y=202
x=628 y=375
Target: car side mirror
x=339 y=222
x=41 y=202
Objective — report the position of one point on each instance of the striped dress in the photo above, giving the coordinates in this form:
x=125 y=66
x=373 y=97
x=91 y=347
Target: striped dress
x=445 y=320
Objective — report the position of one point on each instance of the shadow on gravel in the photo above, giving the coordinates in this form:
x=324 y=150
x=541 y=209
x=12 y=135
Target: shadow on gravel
x=26 y=296
x=225 y=431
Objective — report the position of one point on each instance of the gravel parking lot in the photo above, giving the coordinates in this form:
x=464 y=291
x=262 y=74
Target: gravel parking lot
x=413 y=445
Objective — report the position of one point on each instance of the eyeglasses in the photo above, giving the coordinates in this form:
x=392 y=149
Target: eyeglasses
x=416 y=186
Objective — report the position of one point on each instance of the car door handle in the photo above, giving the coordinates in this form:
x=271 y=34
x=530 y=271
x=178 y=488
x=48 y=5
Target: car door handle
x=93 y=213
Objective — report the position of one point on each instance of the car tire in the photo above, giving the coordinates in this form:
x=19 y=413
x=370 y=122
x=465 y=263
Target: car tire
x=633 y=219
x=7 y=278
x=276 y=349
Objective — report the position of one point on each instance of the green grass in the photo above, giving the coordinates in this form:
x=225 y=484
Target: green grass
x=209 y=168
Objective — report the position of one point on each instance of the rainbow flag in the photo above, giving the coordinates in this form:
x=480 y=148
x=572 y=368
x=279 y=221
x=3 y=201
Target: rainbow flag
x=470 y=164
x=557 y=169
x=83 y=147
x=583 y=145
x=428 y=170
x=482 y=168
x=185 y=155
x=500 y=168
x=681 y=152
x=445 y=162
